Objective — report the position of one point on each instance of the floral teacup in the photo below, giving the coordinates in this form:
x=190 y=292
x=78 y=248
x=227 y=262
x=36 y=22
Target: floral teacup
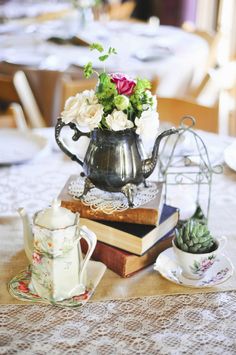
x=195 y=266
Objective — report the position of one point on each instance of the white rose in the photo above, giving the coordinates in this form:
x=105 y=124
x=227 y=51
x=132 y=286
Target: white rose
x=87 y=96
x=84 y=110
x=147 y=128
x=71 y=110
x=118 y=121
x=89 y=117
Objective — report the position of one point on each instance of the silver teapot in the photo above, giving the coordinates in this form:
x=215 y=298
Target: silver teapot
x=113 y=161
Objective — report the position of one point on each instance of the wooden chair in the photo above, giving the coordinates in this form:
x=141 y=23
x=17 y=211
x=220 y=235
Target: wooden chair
x=213 y=40
x=8 y=92
x=13 y=117
x=121 y=11
x=154 y=85
x=11 y=113
x=232 y=123
x=218 y=86
x=28 y=101
x=72 y=87
x=172 y=110
x=16 y=89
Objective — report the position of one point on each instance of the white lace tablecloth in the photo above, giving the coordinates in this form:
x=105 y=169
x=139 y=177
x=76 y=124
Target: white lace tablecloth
x=179 y=324
x=197 y=324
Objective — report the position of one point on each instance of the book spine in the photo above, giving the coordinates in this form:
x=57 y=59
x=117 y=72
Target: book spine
x=151 y=255
x=108 y=255
x=135 y=215
x=125 y=264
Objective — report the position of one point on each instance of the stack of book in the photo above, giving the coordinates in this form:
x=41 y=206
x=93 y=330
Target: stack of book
x=129 y=240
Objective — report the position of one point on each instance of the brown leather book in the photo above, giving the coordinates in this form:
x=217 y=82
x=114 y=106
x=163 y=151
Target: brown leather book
x=131 y=237
x=123 y=263
x=148 y=213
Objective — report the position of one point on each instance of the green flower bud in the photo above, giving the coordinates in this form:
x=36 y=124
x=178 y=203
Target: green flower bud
x=121 y=102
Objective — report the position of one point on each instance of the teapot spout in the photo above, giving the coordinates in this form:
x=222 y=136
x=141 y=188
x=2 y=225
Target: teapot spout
x=148 y=165
x=28 y=235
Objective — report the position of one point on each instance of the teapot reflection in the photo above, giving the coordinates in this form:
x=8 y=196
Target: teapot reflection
x=53 y=249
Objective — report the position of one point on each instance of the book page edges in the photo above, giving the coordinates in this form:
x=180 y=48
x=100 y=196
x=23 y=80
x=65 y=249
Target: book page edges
x=160 y=231
x=127 y=241
x=114 y=237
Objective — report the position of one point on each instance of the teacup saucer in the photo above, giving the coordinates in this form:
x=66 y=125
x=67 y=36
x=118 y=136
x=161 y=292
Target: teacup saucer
x=167 y=266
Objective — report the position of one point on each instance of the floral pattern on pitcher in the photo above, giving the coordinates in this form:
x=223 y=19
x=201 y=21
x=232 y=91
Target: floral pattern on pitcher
x=199 y=268
x=54 y=243
x=42 y=271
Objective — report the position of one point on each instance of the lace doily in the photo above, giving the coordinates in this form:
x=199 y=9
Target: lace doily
x=109 y=202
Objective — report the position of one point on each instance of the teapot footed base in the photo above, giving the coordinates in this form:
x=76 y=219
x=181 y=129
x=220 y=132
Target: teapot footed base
x=129 y=190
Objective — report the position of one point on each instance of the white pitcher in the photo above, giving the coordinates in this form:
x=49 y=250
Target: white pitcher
x=53 y=249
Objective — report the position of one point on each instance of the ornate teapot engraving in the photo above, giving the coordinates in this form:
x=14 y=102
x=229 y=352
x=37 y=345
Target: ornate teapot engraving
x=113 y=160
x=53 y=249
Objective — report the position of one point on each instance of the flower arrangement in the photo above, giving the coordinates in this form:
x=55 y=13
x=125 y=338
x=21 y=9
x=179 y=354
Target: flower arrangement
x=83 y=4
x=117 y=103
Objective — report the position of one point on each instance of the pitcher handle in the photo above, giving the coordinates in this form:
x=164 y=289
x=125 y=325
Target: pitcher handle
x=91 y=240
x=60 y=124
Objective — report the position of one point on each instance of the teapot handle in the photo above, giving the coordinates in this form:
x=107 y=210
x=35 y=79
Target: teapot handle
x=60 y=124
x=91 y=239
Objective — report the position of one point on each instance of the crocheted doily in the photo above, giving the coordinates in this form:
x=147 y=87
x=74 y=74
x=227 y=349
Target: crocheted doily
x=109 y=202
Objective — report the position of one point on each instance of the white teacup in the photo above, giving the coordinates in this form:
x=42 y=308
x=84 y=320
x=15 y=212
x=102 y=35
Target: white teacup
x=195 y=266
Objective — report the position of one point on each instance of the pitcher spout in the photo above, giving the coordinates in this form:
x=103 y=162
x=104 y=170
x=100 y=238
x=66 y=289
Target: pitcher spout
x=28 y=235
x=148 y=165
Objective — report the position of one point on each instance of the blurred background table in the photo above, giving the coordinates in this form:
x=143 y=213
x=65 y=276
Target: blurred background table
x=144 y=49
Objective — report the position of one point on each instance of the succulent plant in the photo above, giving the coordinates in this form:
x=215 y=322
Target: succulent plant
x=194 y=237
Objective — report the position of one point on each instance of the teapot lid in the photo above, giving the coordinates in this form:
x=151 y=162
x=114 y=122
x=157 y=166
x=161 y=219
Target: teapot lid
x=55 y=217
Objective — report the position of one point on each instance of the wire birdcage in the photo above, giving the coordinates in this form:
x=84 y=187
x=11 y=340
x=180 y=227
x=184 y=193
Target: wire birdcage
x=188 y=168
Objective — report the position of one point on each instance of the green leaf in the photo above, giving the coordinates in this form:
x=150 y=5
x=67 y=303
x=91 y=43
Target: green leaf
x=88 y=70
x=112 y=50
x=105 y=92
x=97 y=46
x=104 y=57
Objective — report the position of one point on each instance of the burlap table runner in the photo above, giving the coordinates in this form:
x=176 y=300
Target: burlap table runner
x=145 y=283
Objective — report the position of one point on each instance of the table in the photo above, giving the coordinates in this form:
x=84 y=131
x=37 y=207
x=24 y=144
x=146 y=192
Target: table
x=199 y=323
x=166 y=52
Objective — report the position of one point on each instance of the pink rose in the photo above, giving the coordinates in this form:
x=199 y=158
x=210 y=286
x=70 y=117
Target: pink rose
x=36 y=258
x=124 y=85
